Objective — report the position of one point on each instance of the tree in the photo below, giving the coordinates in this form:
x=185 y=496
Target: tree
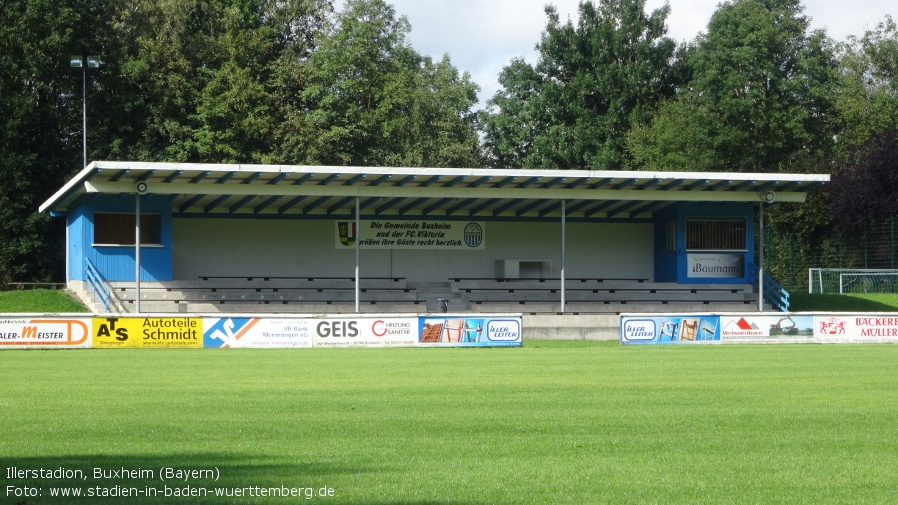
x=372 y=100
x=864 y=188
x=759 y=97
x=867 y=97
x=40 y=127
x=209 y=81
x=592 y=83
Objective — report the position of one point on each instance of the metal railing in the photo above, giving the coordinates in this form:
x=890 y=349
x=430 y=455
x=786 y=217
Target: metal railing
x=775 y=294
x=100 y=290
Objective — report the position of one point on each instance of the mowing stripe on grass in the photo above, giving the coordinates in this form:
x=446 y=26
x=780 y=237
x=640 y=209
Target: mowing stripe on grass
x=552 y=422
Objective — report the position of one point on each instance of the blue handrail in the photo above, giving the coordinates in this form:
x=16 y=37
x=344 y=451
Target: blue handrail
x=775 y=294
x=100 y=290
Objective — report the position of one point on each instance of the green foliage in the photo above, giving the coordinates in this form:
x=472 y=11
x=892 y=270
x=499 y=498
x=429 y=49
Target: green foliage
x=240 y=81
x=867 y=97
x=759 y=95
x=373 y=100
x=40 y=128
x=592 y=83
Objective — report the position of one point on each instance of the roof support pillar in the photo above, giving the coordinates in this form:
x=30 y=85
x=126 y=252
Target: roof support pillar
x=137 y=252
x=357 y=249
x=761 y=258
x=563 y=240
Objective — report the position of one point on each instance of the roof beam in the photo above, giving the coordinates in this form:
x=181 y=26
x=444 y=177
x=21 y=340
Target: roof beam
x=411 y=205
x=146 y=176
x=172 y=176
x=225 y=178
x=629 y=208
x=118 y=176
x=190 y=203
x=483 y=206
x=340 y=204
x=267 y=203
x=354 y=179
x=602 y=207
x=200 y=176
x=672 y=184
x=278 y=178
x=292 y=203
x=430 y=181
x=215 y=203
x=550 y=209
x=240 y=203
x=439 y=192
x=530 y=206
x=505 y=206
x=389 y=204
x=315 y=204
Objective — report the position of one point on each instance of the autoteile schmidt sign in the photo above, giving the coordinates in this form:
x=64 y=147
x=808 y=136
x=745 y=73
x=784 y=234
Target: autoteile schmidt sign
x=411 y=234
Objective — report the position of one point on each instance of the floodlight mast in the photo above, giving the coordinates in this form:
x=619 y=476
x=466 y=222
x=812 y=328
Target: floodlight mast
x=84 y=62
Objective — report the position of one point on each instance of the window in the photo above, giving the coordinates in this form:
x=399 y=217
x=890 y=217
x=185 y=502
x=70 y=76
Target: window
x=118 y=229
x=715 y=234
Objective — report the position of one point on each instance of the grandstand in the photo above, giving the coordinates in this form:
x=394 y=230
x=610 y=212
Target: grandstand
x=188 y=238
x=396 y=295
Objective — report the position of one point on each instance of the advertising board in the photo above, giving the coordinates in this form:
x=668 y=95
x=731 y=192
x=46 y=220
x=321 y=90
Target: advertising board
x=715 y=265
x=480 y=331
x=147 y=332
x=364 y=331
x=255 y=332
x=669 y=329
x=856 y=328
x=767 y=328
x=44 y=332
x=770 y=328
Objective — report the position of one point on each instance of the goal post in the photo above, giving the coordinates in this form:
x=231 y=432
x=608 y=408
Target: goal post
x=852 y=280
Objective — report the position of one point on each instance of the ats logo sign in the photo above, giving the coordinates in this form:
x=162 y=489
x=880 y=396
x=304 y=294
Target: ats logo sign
x=147 y=332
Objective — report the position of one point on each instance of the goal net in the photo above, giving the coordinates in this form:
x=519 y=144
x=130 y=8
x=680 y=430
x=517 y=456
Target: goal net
x=852 y=280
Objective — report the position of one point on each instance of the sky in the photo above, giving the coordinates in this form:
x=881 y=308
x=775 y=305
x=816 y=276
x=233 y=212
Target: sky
x=482 y=36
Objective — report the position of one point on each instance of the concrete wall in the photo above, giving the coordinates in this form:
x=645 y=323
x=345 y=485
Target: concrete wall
x=305 y=247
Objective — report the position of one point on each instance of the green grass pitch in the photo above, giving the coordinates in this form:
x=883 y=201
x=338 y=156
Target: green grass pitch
x=552 y=422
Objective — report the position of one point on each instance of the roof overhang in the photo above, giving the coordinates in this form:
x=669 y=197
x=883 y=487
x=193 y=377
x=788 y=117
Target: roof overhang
x=247 y=190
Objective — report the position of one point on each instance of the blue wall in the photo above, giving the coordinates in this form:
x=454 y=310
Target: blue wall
x=672 y=266
x=116 y=263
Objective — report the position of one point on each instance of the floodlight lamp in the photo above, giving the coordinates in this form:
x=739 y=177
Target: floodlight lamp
x=76 y=61
x=93 y=62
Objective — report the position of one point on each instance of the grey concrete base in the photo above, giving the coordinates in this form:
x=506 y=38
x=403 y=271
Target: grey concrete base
x=571 y=327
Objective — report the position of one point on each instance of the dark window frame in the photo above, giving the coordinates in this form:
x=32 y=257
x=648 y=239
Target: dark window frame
x=117 y=229
x=717 y=234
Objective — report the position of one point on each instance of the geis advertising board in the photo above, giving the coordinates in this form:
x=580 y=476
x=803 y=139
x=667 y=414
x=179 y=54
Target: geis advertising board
x=364 y=331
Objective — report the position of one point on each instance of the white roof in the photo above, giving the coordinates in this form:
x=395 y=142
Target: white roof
x=239 y=189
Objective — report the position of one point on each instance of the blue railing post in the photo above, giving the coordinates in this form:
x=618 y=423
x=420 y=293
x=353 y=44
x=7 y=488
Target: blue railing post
x=773 y=292
x=99 y=289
